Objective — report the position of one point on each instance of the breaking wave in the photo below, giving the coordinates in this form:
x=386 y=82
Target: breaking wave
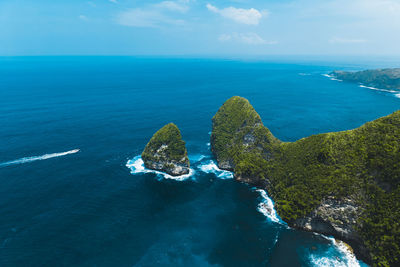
x=211 y=167
x=377 y=89
x=267 y=208
x=35 y=158
x=394 y=92
x=137 y=166
x=346 y=257
x=332 y=78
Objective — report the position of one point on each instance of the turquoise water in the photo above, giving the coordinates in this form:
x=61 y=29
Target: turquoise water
x=71 y=125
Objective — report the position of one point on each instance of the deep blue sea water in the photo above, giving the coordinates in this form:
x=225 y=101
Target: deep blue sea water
x=88 y=209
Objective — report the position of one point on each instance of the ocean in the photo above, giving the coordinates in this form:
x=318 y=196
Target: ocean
x=74 y=191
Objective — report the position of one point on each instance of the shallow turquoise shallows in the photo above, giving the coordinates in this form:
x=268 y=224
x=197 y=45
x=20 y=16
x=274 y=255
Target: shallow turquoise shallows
x=74 y=191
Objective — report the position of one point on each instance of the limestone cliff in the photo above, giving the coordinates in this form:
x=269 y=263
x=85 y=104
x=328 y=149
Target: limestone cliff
x=166 y=152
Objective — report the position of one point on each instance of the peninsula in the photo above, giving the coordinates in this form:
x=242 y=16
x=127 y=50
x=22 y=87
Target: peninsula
x=388 y=79
x=345 y=184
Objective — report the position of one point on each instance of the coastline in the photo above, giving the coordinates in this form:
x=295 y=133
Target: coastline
x=356 y=248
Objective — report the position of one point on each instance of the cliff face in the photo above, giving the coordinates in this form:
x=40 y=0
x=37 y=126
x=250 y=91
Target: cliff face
x=380 y=78
x=344 y=184
x=338 y=218
x=237 y=128
x=166 y=152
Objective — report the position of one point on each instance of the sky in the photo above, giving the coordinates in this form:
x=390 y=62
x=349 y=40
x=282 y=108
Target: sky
x=197 y=27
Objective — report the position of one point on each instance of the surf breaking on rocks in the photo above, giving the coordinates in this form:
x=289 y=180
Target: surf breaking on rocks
x=137 y=166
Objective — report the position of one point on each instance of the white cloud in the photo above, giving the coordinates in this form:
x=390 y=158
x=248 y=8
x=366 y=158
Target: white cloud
x=155 y=15
x=339 y=40
x=245 y=16
x=179 y=6
x=250 y=38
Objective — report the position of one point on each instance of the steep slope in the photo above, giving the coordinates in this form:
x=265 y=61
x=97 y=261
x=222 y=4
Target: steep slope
x=166 y=152
x=344 y=184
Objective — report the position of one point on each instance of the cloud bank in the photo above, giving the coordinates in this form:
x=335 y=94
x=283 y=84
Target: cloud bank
x=245 y=16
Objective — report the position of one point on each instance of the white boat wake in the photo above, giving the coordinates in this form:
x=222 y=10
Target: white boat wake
x=35 y=158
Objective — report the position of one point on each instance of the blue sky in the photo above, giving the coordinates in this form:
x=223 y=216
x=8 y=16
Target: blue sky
x=197 y=27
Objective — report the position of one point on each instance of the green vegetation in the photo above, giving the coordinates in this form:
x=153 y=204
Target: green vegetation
x=166 y=145
x=363 y=164
x=380 y=78
x=237 y=128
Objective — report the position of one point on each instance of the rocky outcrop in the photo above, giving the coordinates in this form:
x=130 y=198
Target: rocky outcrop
x=338 y=218
x=166 y=152
x=335 y=216
x=344 y=184
x=379 y=78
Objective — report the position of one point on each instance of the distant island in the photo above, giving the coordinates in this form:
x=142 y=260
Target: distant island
x=166 y=151
x=345 y=184
x=380 y=78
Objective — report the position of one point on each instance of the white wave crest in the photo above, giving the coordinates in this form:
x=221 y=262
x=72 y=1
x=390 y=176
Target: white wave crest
x=211 y=167
x=397 y=95
x=377 y=89
x=43 y=157
x=332 y=78
x=137 y=166
x=267 y=208
x=347 y=259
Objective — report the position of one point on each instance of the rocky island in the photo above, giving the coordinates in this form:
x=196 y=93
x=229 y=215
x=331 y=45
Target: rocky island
x=380 y=78
x=166 y=152
x=345 y=184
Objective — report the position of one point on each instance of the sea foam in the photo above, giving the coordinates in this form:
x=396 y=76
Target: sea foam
x=346 y=259
x=267 y=208
x=211 y=167
x=377 y=89
x=332 y=78
x=137 y=166
x=35 y=158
